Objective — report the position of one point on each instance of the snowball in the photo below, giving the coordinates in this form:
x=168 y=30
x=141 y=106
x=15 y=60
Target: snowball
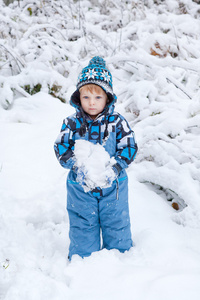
x=96 y=164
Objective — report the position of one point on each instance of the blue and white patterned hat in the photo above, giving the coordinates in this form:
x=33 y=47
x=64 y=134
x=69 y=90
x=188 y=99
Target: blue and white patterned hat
x=96 y=73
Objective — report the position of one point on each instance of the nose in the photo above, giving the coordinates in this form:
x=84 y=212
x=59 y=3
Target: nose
x=91 y=101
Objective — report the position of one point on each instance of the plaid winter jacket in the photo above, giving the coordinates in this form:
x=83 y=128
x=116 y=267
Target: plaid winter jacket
x=110 y=129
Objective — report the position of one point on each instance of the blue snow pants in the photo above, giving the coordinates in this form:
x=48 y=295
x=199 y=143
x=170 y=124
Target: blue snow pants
x=90 y=214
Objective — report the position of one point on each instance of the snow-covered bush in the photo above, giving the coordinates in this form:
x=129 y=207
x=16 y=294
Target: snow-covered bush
x=154 y=59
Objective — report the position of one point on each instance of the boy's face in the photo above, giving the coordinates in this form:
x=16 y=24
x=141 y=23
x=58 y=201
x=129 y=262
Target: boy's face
x=93 y=103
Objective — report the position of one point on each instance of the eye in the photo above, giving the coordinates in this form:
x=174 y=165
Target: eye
x=98 y=97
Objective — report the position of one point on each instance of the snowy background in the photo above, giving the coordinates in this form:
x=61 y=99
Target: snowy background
x=152 y=49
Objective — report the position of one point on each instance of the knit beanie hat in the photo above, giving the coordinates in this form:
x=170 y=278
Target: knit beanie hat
x=96 y=73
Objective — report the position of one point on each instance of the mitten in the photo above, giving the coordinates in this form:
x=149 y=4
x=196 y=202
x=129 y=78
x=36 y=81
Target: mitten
x=81 y=176
x=112 y=173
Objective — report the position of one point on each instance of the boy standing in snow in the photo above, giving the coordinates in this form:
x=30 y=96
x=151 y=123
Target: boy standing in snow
x=92 y=208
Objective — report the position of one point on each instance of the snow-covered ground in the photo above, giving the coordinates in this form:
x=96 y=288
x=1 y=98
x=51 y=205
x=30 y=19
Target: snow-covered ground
x=163 y=264
x=153 y=52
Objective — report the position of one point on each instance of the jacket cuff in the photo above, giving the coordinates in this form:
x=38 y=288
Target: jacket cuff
x=117 y=168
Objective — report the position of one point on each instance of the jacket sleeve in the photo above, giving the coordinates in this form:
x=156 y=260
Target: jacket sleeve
x=126 y=147
x=64 y=144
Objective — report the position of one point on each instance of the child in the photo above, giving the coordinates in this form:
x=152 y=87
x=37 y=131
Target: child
x=100 y=209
